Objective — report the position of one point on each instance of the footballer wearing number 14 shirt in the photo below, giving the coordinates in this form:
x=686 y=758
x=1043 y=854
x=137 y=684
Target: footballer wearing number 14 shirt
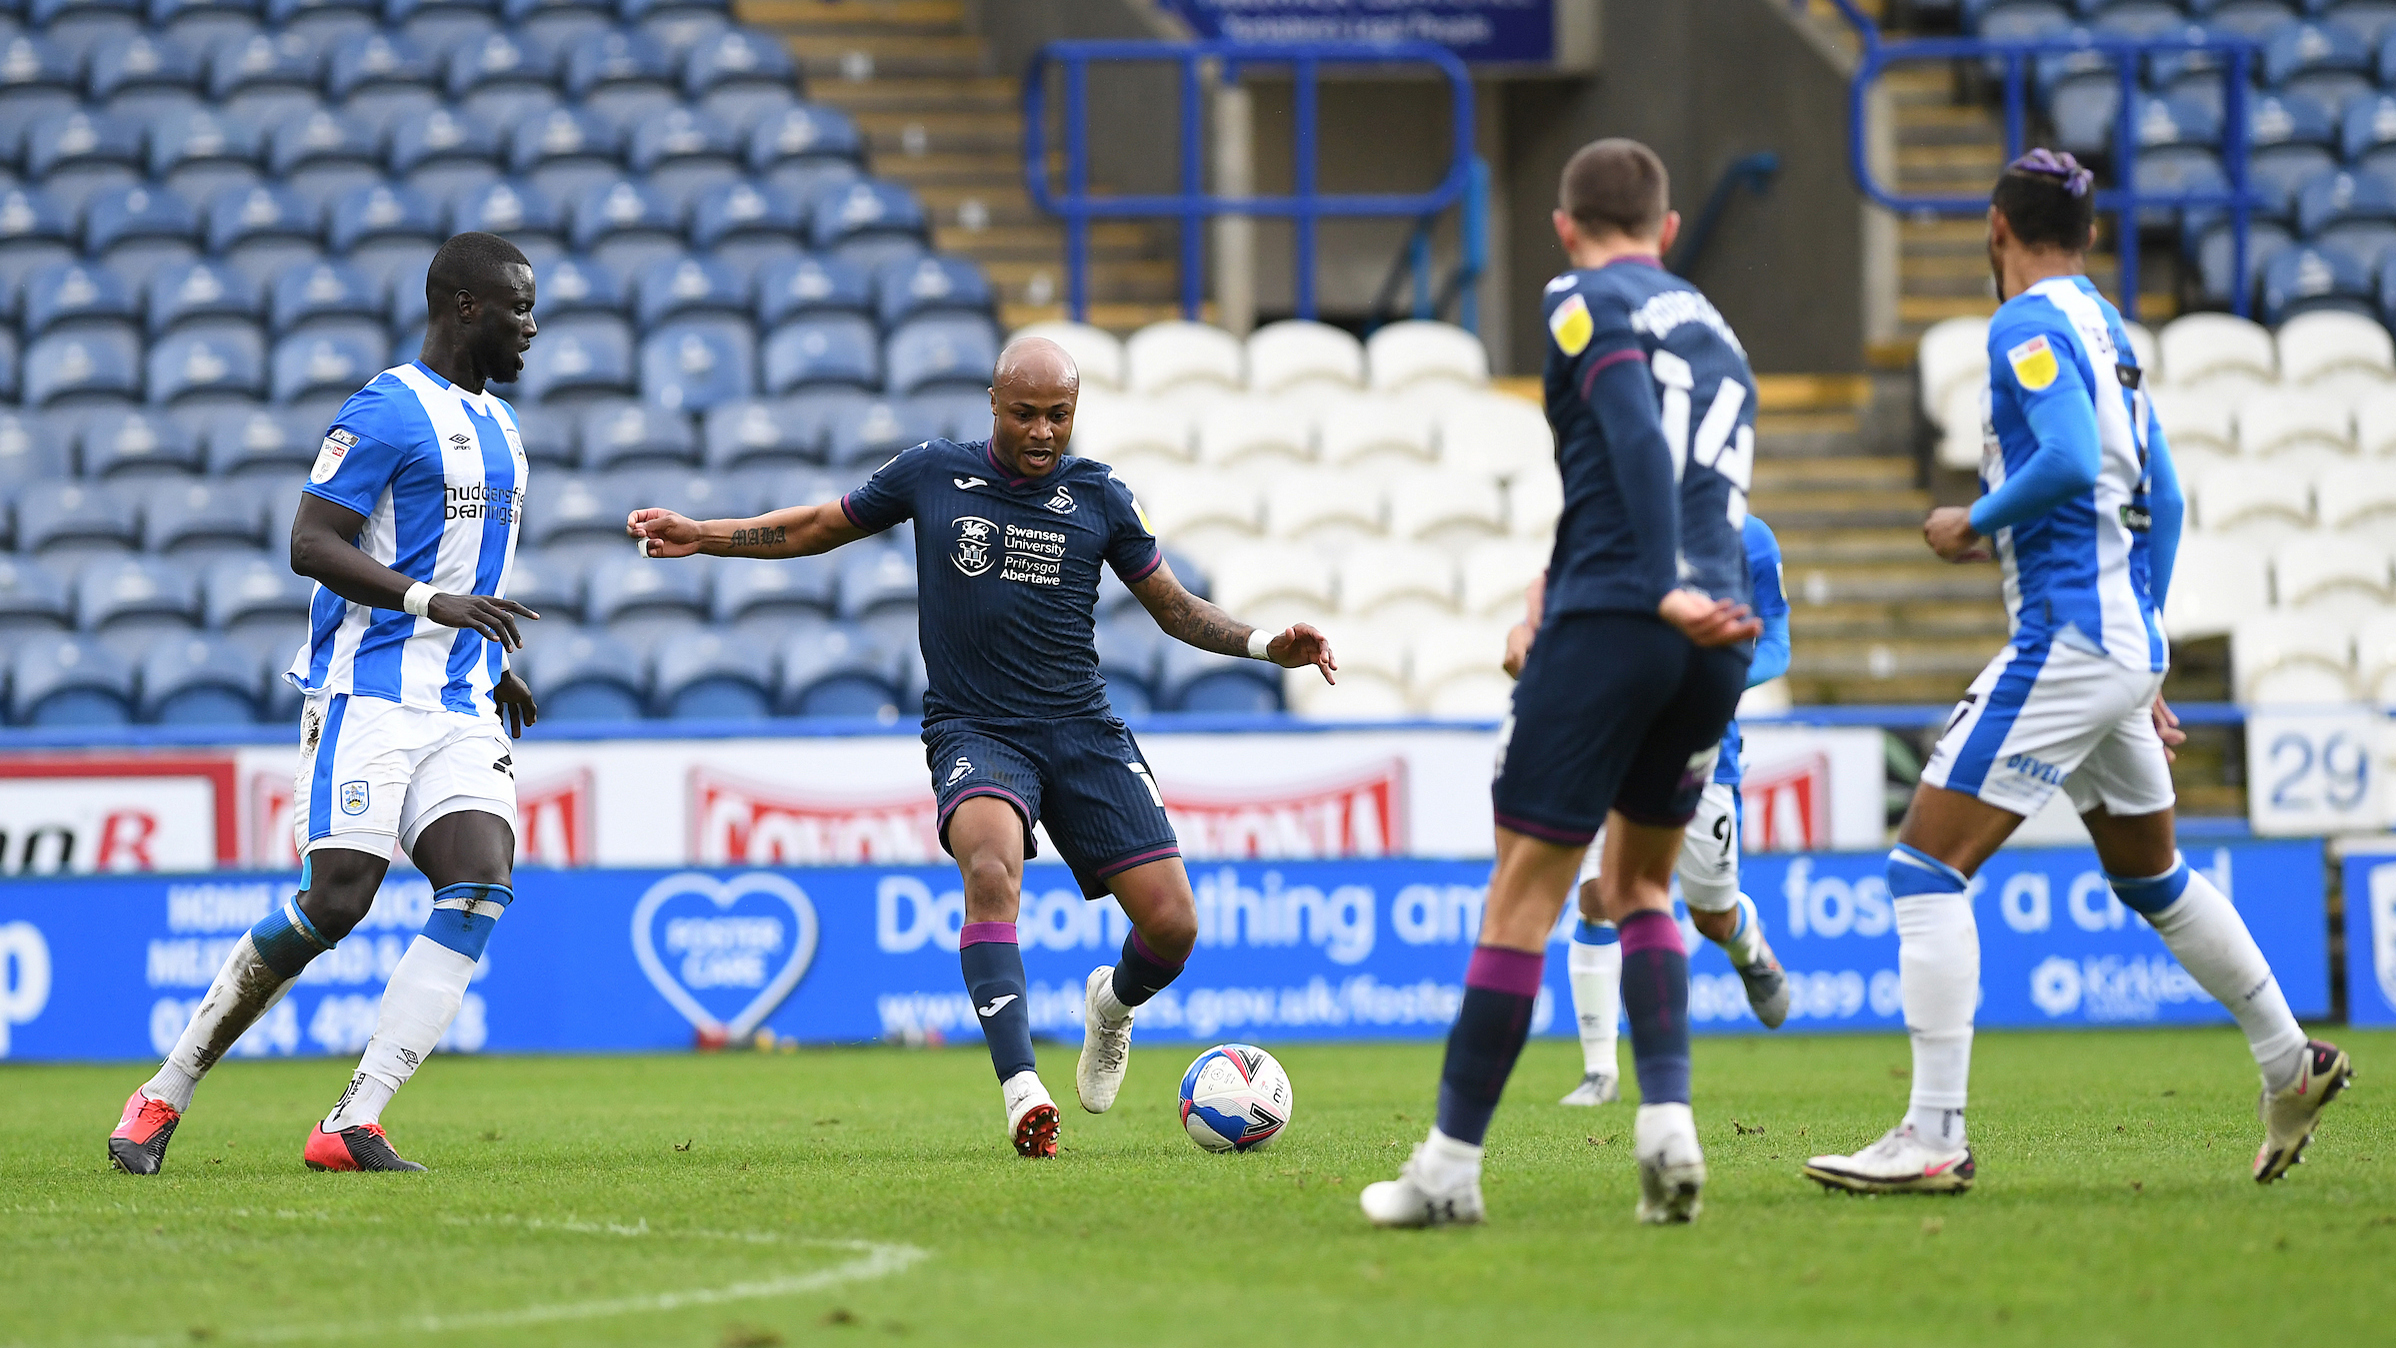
x=1011 y=534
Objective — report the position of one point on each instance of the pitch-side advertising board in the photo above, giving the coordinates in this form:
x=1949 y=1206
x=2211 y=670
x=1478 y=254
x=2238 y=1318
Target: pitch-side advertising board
x=110 y=967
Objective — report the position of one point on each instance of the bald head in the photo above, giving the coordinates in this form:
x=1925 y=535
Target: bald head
x=1034 y=362
x=1033 y=392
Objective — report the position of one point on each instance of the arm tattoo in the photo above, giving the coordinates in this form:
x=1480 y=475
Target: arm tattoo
x=769 y=537
x=1186 y=617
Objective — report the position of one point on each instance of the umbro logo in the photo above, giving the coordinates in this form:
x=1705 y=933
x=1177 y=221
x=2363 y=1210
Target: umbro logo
x=409 y=1056
x=462 y=440
x=969 y=483
x=997 y=1004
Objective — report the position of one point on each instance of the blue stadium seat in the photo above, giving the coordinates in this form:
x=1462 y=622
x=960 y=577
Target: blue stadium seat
x=382 y=229
x=672 y=287
x=838 y=669
x=37 y=78
x=1128 y=650
x=2173 y=171
x=761 y=598
x=134 y=231
x=619 y=76
x=69 y=681
x=129 y=602
x=324 y=154
x=80 y=26
x=551 y=587
x=77 y=154
x=9 y=356
x=33 y=599
x=200 y=680
x=441 y=153
x=144 y=76
x=204 y=368
x=266 y=78
x=33 y=447
x=197 y=521
x=685 y=154
x=521 y=212
x=586 y=677
x=324 y=21
x=823 y=349
x=747 y=433
x=1190 y=679
x=67 y=368
x=133 y=442
x=941 y=351
x=639 y=599
x=626 y=224
x=328 y=297
x=199 y=154
x=875 y=579
x=747 y=224
x=961 y=414
x=687 y=491
x=740 y=75
x=2367 y=133
x=697 y=363
x=2330 y=61
x=2176 y=123
x=548 y=441
x=558 y=22
x=71 y=519
x=806 y=148
x=200 y=24
x=438 y=25
x=577 y=365
x=264 y=231
x=2354 y=212
x=2248 y=18
x=582 y=516
x=868 y=221
x=81 y=298
x=503 y=78
x=315 y=365
x=2292 y=138
x=933 y=283
x=714 y=676
x=378 y=78
x=36 y=230
x=2372 y=19
x=622 y=433
x=2307 y=277
x=806 y=285
x=864 y=434
x=260 y=442
x=679 y=25
x=572 y=285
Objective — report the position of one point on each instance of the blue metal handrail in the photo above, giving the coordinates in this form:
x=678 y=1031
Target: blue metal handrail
x=1754 y=172
x=2125 y=200
x=1432 y=296
x=1193 y=204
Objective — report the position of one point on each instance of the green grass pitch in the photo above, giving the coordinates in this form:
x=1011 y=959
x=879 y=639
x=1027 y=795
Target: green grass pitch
x=867 y=1196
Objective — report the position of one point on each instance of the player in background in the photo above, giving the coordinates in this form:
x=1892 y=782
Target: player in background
x=1010 y=535
x=1641 y=657
x=407 y=525
x=1709 y=860
x=2082 y=508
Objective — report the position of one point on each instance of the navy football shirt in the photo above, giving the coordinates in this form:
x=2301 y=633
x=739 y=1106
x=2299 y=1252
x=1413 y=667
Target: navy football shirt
x=1007 y=574
x=1697 y=409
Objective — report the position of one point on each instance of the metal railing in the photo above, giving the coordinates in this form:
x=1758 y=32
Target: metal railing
x=1754 y=172
x=2124 y=199
x=1434 y=296
x=1304 y=206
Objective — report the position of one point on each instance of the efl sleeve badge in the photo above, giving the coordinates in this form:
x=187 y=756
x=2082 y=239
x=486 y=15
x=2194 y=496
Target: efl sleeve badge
x=1572 y=325
x=2033 y=363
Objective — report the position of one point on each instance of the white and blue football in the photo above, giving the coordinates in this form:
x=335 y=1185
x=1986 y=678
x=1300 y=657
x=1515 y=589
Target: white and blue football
x=1235 y=1098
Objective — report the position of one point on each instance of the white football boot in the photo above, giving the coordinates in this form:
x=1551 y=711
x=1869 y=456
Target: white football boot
x=1106 y=1047
x=1899 y=1163
x=2290 y=1115
x=1597 y=1088
x=1426 y=1193
x=1671 y=1167
x=1032 y=1118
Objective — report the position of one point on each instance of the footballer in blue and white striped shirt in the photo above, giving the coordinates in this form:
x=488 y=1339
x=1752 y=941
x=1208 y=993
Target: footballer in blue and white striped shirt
x=408 y=527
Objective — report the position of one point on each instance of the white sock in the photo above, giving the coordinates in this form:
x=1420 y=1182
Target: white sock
x=1110 y=1007
x=2209 y=939
x=1938 y=971
x=1015 y=1089
x=1746 y=943
x=244 y=990
x=1595 y=972
x=1447 y=1159
x=419 y=1003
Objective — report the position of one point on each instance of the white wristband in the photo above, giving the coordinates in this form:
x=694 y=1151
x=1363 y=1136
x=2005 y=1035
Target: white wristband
x=418 y=598
x=1258 y=639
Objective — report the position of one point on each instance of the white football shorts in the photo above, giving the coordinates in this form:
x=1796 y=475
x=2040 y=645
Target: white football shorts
x=1709 y=864
x=372 y=773
x=2053 y=717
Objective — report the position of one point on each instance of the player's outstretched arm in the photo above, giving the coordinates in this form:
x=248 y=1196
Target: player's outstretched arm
x=322 y=551
x=1187 y=618
x=798 y=531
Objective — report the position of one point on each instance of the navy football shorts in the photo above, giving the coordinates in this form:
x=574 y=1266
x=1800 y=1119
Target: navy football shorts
x=1615 y=711
x=1083 y=776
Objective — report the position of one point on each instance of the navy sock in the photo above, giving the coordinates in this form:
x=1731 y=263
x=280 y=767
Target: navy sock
x=1655 y=997
x=1500 y=987
x=1141 y=973
x=993 y=966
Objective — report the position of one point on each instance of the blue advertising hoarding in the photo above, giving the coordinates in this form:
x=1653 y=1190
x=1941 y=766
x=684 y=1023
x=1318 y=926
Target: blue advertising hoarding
x=1476 y=30
x=111 y=967
x=2371 y=939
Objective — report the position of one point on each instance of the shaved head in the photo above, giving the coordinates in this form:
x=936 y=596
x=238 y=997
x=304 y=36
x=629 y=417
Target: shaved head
x=1036 y=362
x=1033 y=392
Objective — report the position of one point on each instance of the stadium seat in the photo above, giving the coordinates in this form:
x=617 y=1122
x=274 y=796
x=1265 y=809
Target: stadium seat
x=2216 y=254
x=129 y=602
x=625 y=224
x=78 y=297
x=581 y=514
x=839 y=349
x=677 y=25
x=1445 y=508
x=682 y=152
x=67 y=368
x=564 y=152
x=2317 y=346
x=2306 y=278
x=2338 y=575
x=501 y=78
x=1495 y=436
x=2373 y=19
x=1192 y=509
x=2351 y=212
x=578 y=365
x=311 y=365
x=69 y=681
x=749 y=433
x=1966 y=417
x=1455 y=669
x=557 y=22
x=379 y=77
x=2216 y=583
x=77 y=154
x=2200 y=348
x=2277 y=423
x=1098 y=353
x=144 y=76
x=263 y=231
x=2253 y=501
x=133 y=231
x=1396 y=582
x=1173 y=354
x=1238 y=432
x=2367 y=133
x=1951 y=352
x=8 y=368
x=638 y=598
x=748 y=225
x=714 y=676
x=33 y=447
x=1296 y=352
x=199 y=680
x=1325 y=506
x=621 y=77
x=694 y=364
x=330 y=297
x=519 y=211
x=2359 y=499
x=36 y=231
x=1274 y=575
x=33 y=599
x=792 y=287
x=37 y=79
x=760 y=599
x=2284 y=658
x=2200 y=417
x=241 y=594
x=442 y=154
x=264 y=78
x=838 y=670
x=1192 y=680
x=908 y=288
x=1373 y=433
x=863 y=434
x=1534 y=502
x=806 y=148
x=571 y=286
x=1134 y=433
x=324 y=21
x=875 y=580
x=131 y=442
x=628 y=434
x=1129 y=654
x=941 y=351
x=382 y=229
x=1404 y=354
x=586 y=677
x=198 y=520
x=549 y=586
x=868 y=221
x=2329 y=61
x=323 y=155
x=1492 y=576
x=204 y=295
x=740 y=76
x=2375 y=659
x=239 y=442
x=2293 y=138
x=678 y=286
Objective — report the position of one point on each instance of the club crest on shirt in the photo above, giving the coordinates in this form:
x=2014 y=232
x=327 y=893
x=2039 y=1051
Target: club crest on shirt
x=974 y=535
x=1572 y=325
x=353 y=797
x=337 y=443
x=2033 y=363
x=1062 y=502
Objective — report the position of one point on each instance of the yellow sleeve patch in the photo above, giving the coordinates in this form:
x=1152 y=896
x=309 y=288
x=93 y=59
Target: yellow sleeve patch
x=2033 y=363
x=1141 y=514
x=1572 y=325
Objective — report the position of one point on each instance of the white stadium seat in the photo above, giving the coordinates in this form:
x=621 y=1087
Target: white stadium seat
x=1120 y=429
x=2208 y=348
x=1325 y=506
x=1285 y=355
x=2330 y=574
x=1494 y=576
x=2375 y=425
x=2359 y=498
x=1372 y=677
x=1096 y=351
x=1952 y=354
x=1175 y=353
x=2291 y=657
x=2259 y=502
x=2216 y=583
x=1399 y=582
x=1414 y=352
x=1186 y=505
x=1964 y=432
x=2145 y=351
x=1236 y=431
x=1267 y=573
x=1458 y=669
x=2328 y=342
x=1355 y=432
x=2281 y=421
x=1496 y=435
x=2197 y=417
x=2375 y=658
x=1534 y=502
x=1445 y=507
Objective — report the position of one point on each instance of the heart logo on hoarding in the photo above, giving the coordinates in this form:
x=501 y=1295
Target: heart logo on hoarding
x=702 y=940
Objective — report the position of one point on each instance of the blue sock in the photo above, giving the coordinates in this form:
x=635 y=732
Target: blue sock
x=463 y=915
x=285 y=939
x=2150 y=895
x=1500 y=988
x=1913 y=871
x=993 y=966
x=1141 y=973
x=1655 y=997
x=1596 y=933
